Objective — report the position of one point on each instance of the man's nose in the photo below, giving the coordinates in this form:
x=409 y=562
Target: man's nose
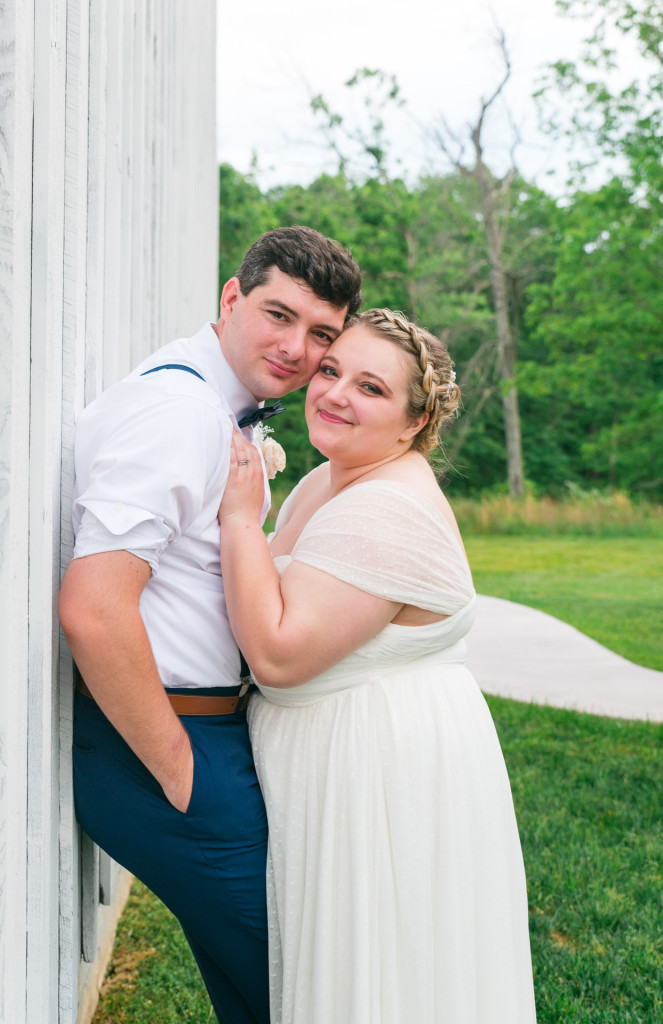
x=293 y=342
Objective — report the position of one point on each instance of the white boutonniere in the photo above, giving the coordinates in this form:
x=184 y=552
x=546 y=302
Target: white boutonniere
x=271 y=450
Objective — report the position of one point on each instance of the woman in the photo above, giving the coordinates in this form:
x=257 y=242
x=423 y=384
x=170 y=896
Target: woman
x=396 y=887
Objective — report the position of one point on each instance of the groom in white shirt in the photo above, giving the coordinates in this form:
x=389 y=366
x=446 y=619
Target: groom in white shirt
x=163 y=775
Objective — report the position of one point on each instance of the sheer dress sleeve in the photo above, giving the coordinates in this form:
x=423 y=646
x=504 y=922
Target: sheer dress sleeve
x=392 y=542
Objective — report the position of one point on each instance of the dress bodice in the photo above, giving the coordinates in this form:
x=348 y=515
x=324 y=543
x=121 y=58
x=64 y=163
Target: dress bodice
x=394 y=649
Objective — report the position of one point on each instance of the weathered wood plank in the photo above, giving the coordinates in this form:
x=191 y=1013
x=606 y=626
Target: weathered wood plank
x=105 y=879
x=100 y=140
x=125 y=241
x=16 y=102
x=107 y=249
x=73 y=333
x=44 y=519
x=89 y=898
x=114 y=334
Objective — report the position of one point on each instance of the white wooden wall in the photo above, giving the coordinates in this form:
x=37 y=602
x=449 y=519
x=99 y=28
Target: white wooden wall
x=108 y=249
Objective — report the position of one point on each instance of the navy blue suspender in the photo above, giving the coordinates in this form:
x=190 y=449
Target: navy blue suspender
x=174 y=366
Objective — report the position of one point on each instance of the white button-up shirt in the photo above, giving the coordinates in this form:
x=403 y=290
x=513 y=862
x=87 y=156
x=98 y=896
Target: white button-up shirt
x=152 y=456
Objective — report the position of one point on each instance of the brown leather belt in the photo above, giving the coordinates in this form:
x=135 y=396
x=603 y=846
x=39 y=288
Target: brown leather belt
x=185 y=704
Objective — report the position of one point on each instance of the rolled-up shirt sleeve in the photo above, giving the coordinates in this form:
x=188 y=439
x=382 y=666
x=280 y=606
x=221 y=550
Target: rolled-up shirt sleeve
x=104 y=525
x=145 y=472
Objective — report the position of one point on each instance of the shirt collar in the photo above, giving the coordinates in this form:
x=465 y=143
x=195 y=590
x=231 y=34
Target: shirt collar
x=219 y=374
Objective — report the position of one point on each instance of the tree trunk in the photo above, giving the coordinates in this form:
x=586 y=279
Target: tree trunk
x=506 y=347
x=411 y=265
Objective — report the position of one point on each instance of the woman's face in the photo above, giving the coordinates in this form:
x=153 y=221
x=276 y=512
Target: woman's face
x=356 y=403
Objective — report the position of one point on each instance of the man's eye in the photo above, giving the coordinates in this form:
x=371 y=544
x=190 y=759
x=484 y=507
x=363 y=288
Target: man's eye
x=277 y=314
x=324 y=338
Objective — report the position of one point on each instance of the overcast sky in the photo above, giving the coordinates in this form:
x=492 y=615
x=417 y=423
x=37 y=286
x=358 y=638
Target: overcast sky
x=273 y=56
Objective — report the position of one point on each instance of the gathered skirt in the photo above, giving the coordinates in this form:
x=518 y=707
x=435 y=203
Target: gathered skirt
x=396 y=887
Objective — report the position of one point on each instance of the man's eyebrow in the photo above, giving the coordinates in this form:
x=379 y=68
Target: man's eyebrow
x=295 y=315
x=282 y=305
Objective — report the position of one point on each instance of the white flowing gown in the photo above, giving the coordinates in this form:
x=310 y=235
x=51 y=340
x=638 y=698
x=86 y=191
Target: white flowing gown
x=396 y=889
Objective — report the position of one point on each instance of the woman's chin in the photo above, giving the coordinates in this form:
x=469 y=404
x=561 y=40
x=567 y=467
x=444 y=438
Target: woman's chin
x=321 y=440
x=324 y=448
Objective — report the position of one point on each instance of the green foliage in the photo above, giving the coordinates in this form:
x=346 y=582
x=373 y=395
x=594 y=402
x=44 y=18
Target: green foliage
x=623 y=116
x=598 y=324
x=290 y=431
x=244 y=215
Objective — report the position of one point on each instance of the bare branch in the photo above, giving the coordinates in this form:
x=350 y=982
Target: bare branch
x=476 y=130
x=482 y=363
x=441 y=137
x=501 y=41
x=466 y=421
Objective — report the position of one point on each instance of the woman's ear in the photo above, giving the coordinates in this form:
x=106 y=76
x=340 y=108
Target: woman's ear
x=414 y=427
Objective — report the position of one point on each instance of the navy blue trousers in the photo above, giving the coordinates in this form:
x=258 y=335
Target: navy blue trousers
x=207 y=865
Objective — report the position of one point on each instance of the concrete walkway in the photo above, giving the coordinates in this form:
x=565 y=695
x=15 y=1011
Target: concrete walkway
x=519 y=652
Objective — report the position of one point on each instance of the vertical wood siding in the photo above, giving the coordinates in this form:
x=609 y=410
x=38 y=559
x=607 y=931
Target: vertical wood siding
x=16 y=85
x=108 y=249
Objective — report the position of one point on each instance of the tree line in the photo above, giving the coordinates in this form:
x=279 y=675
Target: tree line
x=552 y=308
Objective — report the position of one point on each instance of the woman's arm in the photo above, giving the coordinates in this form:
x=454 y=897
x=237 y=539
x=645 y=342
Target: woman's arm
x=293 y=628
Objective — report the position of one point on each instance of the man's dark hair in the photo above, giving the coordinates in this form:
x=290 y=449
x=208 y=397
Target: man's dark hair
x=303 y=253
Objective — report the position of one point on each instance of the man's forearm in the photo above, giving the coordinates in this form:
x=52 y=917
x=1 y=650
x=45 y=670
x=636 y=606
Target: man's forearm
x=110 y=645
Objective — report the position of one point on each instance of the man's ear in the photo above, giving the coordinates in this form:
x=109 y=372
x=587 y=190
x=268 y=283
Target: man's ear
x=229 y=295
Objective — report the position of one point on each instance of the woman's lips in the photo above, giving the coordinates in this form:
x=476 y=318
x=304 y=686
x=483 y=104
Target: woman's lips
x=329 y=417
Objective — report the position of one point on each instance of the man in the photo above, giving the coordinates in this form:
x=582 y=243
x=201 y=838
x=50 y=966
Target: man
x=176 y=799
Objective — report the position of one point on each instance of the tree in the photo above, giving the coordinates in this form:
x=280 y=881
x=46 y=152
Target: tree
x=601 y=317
x=385 y=202
x=492 y=191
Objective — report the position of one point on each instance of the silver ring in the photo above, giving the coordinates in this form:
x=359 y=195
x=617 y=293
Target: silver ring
x=243 y=462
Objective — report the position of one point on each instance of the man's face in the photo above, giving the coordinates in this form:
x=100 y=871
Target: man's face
x=275 y=337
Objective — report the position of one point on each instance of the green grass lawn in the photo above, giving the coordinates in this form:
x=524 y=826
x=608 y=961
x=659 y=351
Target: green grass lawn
x=152 y=977
x=587 y=792
x=587 y=795
x=611 y=589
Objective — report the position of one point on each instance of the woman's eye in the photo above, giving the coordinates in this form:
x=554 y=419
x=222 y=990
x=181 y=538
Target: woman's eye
x=372 y=389
x=328 y=371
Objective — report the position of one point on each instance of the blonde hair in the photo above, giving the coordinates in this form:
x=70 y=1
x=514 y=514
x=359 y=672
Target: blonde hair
x=431 y=388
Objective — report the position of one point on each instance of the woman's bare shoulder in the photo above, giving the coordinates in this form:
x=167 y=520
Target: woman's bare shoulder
x=416 y=474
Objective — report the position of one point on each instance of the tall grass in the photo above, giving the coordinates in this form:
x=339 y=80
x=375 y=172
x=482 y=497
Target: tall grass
x=580 y=514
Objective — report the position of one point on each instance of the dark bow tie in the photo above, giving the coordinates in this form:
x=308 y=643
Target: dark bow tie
x=260 y=415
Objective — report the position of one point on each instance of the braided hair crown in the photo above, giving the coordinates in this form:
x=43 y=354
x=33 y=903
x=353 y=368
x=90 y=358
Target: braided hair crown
x=432 y=386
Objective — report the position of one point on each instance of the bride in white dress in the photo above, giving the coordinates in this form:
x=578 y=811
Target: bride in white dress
x=396 y=888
